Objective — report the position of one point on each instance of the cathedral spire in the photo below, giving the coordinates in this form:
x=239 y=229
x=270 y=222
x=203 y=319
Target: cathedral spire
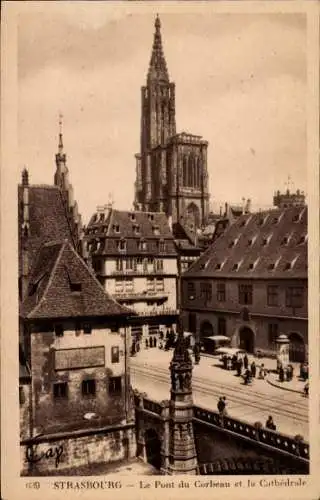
x=60 y=134
x=158 y=66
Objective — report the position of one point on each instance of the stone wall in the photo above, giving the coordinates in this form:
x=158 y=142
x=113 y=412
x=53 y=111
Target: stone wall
x=55 y=456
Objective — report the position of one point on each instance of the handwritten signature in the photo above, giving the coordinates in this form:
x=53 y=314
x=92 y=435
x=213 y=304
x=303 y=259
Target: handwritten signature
x=53 y=452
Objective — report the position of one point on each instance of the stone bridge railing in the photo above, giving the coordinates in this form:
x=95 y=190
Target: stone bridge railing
x=294 y=446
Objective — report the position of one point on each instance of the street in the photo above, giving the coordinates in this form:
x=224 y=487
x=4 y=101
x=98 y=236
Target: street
x=150 y=374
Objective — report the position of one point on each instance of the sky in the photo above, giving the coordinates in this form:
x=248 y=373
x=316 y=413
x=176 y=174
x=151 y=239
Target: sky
x=240 y=83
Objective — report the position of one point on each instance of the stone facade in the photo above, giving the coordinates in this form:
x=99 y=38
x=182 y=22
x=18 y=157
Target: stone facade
x=171 y=168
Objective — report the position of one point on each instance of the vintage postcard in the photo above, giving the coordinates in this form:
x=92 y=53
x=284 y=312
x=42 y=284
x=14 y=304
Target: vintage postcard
x=160 y=250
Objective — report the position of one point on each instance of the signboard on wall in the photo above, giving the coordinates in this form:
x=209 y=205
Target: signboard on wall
x=83 y=357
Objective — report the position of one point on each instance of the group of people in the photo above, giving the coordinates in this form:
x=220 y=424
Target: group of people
x=241 y=365
x=222 y=409
x=285 y=373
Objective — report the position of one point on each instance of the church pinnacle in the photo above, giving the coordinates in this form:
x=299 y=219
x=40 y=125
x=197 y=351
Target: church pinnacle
x=158 y=66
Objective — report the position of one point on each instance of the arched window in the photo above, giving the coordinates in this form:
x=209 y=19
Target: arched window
x=190 y=170
x=198 y=173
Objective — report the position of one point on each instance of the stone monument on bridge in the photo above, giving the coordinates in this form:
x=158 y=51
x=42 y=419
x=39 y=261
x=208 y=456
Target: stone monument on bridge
x=182 y=449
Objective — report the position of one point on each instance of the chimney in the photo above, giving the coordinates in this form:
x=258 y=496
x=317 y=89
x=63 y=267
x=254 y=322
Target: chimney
x=248 y=206
x=243 y=205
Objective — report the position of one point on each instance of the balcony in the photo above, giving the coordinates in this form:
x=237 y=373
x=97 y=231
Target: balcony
x=139 y=272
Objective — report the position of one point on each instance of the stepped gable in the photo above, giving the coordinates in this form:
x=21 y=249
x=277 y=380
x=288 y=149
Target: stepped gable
x=62 y=286
x=105 y=228
x=47 y=220
x=269 y=244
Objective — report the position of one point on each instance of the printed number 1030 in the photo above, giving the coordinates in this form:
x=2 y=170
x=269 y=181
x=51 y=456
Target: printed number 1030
x=34 y=485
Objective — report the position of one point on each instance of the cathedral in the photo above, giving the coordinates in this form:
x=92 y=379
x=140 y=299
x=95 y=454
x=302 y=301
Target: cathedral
x=171 y=168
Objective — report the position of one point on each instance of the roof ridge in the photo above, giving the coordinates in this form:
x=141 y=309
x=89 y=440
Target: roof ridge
x=63 y=244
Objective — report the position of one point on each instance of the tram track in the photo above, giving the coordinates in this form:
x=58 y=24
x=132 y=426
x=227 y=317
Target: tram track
x=237 y=395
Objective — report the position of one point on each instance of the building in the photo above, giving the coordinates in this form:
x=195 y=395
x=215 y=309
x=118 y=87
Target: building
x=73 y=337
x=251 y=283
x=288 y=199
x=133 y=255
x=171 y=168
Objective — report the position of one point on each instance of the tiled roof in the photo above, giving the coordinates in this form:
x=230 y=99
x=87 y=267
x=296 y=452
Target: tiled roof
x=271 y=244
x=108 y=227
x=63 y=286
x=47 y=219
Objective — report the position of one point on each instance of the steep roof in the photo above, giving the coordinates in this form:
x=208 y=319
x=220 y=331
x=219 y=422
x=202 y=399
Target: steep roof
x=270 y=244
x=107 y=227
x=48 y=219
x=63 y=286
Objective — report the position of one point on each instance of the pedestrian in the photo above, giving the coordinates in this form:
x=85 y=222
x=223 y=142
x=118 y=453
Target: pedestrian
x=247 y=377
x=239 y=367
x=253 y=369
x=234 y=362
x=270 y=424
x=281 y=374
x=245 y=362
x=229 y=363
x=221 y=406
x=290 y=372
x=306 y=389
x=261 y=372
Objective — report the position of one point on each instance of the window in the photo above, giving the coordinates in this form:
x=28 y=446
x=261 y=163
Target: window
x=116 y=228
x=89 y=387
x=156 y=230
x=60 y=390
x=245 y=294
x=294 y=296
x=131 y=264
x=206 y=291
x=122 y=245
x=221 y=292
x=142 y=245
x=115 y=385
x=222 y=326
x=102 y=217
x=191 y=290
x=159 y=285
x=115 y=354
x=285 y=240
x=273 y=295
x=136 y=229
x=119 y=265
x=162 y=246
x=132 y=216
x=21 y=395
x=87 y=328
x=75 y=287
x=150 y=217
x=158 y=265
x=58 y=330
x=192 y=322
x=273 y=329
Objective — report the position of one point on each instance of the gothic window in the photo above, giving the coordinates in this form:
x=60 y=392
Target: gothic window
x=185 y=170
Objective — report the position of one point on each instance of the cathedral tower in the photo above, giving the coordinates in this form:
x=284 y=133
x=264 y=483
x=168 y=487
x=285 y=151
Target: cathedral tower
x=171 y=168
x=182 y=450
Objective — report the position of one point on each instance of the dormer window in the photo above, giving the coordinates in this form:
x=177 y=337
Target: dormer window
x=95 y=217
x=266 y=240
x=122 y=245
x=218 y=266
x=116 y=228
x=302 y=240
x=150 y=217
x=136 y=228
x=156 y=230
x=296 y=218
x=101 y=217
x=262 y=220
x=252 y=265
x=235 y=267
x=285 y=240
x=251 y=241
x=233 y=242
x=132 y=216
x=271 y=266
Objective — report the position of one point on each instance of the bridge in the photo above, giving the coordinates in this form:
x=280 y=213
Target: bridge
x=228 y=445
